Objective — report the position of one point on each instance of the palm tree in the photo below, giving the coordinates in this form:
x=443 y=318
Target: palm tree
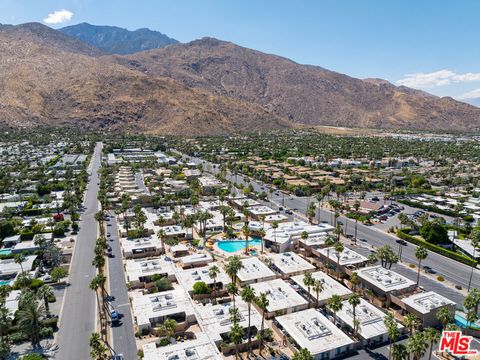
x=475 y=241
x=262 y=302
x=444 y=316
x=338 y=250
x=99 y=262
x=236 y=335
x=29 y=317
x=417 y=345
x=354 y=301
x=356 y=206
x=392 y=330
x=303 y=354
x=329 y=242
x=233 y=266
x=20 y=259
x=98 y=351
x=432 y=335
x=261 y=233
x=248 y=295
x=318 y=286
x=246 y=232
x=45 y=292
x=399 y=352
x=420 y=253
x=354 y=279
x=275 y=227
x=309 y=282
x=213 y=272
x=411 y=322
x=232 y=290
x=335 y=304
x=161 y=235
x=304 y=237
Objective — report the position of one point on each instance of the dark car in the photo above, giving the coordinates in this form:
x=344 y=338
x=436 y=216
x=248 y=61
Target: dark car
x=428 y=270
x=289 y=212
x=280 y=208
x=402 y=242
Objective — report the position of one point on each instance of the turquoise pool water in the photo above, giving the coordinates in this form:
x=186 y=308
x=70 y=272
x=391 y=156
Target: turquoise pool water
x=5 y=252
x=4 y=282
x=462 y=322
x=236 y=245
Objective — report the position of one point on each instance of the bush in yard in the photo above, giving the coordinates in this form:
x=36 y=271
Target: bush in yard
x=201 y=288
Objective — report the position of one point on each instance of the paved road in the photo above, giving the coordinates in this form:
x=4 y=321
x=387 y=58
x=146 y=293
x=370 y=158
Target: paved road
x=140 y=183
x=451 y=270
x=123 y=337
x=79 y=311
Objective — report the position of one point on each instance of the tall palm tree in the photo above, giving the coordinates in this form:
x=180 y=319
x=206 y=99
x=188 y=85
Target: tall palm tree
x=29 y=317
x=303 y=354
x=399 y=352
x=233 y=266
x=354 y=279
x=329 y=242
x=236 y=335
x=98 y=351
x=309 y=282
x=392 y=331
x=356 y=206
x=232 y=290
x=99 y=262
x=262 y=302
x=338 y=251
x=444 y=316
x=275 y=227
x=335 y=304
x=246 y=232
x=248 y=295
x=432 y=335
x=45 y=292
x=20 y=259
x=475 y=241
x=161 y=235
x=213 y=272
x=318 y=287
x=354 y=301
x=411 y=322
x=420 y=253
x=417 y=345
x=261 y=233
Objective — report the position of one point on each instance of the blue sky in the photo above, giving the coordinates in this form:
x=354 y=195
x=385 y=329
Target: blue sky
x=426 y=44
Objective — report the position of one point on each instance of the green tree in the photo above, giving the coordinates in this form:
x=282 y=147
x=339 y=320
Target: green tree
x=45 y=292
x=399 y=352
x=236 y=335
x=354 y=301
x=433 y=336
x=335 y=305
x=392 y=331
x=309 y=282
x=213 y=272
x=29 y=318
x=233 y=266
x=303 y=354
x=411 y=323
x=200 y=288
x=417 y=345
x=98 y=351
x=421 y=254
x=444 y=316
x=232 y=290
x=318 y=287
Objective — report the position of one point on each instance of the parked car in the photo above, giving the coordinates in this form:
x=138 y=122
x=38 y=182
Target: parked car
x=289 y=212
x=402 y=242
x=114 y=316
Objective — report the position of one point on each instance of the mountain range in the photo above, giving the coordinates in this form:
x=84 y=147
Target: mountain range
x=99 y=78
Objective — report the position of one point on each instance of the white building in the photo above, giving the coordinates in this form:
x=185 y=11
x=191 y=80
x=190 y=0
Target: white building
x=346 y=259
x=195 y=260
x=282 y=297
x=190 y=276
x=198 y=349
x=330 y=287
x=384 y=281
x=290 y=264
x=140 y=271
x=426 y=305
x=253 y=270
x=310 y=330
x=141 y=247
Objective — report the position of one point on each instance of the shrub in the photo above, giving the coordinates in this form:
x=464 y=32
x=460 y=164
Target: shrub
x=163 y=284
x=434 y=233
x=50 y=322
x=440 y=278
x=58 y=273
x=402 y=234
x=32 y=357
x=36 y=283
x=164 y=342
x=201 y=288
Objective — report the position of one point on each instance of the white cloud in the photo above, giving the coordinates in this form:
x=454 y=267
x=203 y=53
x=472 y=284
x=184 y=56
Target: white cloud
x=474 y=94
x=58 y=17
x=437 y=78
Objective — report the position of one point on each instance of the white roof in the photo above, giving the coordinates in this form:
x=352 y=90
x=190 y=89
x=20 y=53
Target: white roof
x=10 y=267
x=216 y=319
x=191 y=276
x=261 y=210
x=289 y=231
x=330 y=286
x=281 y=295
x=254 y=269
x=289 y=263
x=139 y=268
x=130 y=245
x=196 y=259
x=152 y=306
x=427 y=301
x=347 y=256
x=199 y=349
x=384 y=279
x=313 y=331
x=370 y=318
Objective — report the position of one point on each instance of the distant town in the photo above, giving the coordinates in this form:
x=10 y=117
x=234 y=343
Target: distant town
x=291 y=245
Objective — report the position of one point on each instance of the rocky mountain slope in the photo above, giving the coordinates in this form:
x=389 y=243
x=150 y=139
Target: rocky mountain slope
x=301 y=93
x=45 y=85
x=115 y=40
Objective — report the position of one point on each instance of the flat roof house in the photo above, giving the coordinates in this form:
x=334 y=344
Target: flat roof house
x=425 y=306
x=200 y=348
x=141 y=247
x=330 y=287
x=254 y=271
x=195 y=260
x=311 y=330
x=290 y=264
x=282 y=297
x=384 y=281
x=190 y=276
x=152 y=309
x=347 y=260
x=139 y=272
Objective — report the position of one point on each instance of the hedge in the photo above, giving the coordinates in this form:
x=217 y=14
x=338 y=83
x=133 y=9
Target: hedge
x=438 y=249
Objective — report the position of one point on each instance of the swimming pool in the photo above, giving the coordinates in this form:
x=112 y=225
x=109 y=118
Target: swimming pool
x=236 y=245
x=5 y=252
x=462 y=322
x=5 y=282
